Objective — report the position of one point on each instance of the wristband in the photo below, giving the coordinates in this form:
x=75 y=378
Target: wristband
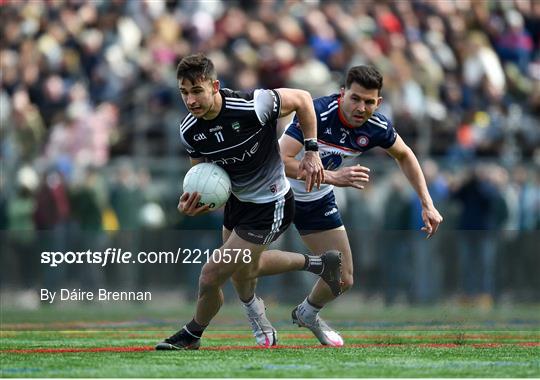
x=311 y=145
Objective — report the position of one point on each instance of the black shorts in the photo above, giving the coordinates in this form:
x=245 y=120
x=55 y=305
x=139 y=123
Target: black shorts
x=259 y=223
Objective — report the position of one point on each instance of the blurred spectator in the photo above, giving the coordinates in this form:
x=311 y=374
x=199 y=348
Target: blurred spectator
x=29 y=129
x=528 y=193
x=396 y=259
x=515 y=43
x=87 y=231
x=524 y=249
x=127 y=199
x=482 y=71
x=52 y=100
x=51 y=215
x=477 y=247
x=86 y=208
x=84 y=135
x=426 y=260
x=312 y=75
x=52 y=202
x=22 y=258
x=323 y=41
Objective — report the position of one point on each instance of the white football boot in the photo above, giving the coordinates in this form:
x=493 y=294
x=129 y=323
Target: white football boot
x=263 y=331
x=326 y=335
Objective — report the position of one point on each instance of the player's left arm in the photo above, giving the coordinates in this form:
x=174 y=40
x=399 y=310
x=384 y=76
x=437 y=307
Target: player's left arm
x=409 y=165
x=299 y=101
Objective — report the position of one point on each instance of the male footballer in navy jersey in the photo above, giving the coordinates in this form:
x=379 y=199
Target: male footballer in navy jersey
x=238 y=131
x=347 y=126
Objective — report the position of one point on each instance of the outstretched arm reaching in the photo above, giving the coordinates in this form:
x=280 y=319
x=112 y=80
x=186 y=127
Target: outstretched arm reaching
x=409 y=165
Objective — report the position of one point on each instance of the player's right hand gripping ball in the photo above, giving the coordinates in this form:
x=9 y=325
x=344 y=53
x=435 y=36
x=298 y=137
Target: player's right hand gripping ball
x=211 y=181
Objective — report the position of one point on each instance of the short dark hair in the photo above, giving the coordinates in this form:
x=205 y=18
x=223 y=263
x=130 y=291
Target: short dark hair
x=196 y=67
x=366 y=76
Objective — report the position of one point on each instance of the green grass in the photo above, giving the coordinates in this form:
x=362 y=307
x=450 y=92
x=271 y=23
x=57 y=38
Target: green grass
x=381 y=342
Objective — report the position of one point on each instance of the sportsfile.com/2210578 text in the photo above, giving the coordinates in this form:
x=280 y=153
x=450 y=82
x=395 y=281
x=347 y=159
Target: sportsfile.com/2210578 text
x=119 y=256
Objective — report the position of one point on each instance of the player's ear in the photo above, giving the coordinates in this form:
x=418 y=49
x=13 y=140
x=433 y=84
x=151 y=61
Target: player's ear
x=342 y=91
x=379 y=100
x=215 y=86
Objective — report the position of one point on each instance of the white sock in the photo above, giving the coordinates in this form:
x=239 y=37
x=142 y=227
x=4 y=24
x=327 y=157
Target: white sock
x=251 y=301
x=253 y=306
x=307 y=310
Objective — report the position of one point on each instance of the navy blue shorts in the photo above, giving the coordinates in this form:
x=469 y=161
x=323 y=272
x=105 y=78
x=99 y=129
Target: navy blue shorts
x=319 y=215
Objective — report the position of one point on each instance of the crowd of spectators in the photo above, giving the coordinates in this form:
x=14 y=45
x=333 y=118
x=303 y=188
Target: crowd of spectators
x=84 y=83
x=91 y=79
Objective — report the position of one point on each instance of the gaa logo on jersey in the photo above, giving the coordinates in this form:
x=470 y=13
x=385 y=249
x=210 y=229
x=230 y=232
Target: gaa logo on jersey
x=236 y=126
x=362 y=141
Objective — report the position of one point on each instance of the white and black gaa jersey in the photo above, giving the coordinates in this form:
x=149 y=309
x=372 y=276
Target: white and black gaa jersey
x=242 y=139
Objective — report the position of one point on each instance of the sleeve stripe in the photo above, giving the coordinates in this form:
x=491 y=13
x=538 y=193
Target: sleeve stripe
x=184 y=128
x=330 y=110
x=331 y=105
x=377 y=124
x=187 y=119
x=239 y=100
x=379 y=120
x=248 y=108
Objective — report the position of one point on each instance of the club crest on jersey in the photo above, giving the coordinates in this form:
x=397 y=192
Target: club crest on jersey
x=236 y=126
x=362 y=141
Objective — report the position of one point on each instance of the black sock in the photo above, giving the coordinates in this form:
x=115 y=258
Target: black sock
x=194 y=329
x=313 y=264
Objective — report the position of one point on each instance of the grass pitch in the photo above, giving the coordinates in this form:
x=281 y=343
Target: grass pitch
x=379 y=343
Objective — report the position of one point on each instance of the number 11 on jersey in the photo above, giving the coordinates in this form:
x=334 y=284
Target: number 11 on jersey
x=219 y=136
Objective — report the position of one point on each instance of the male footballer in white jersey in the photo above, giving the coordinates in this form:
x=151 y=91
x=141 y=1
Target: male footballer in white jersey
x=237 y=131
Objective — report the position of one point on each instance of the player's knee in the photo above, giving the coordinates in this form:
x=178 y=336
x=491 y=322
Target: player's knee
x=243 y=276
x=236 y=281
x=208 y=279
x=347 y=282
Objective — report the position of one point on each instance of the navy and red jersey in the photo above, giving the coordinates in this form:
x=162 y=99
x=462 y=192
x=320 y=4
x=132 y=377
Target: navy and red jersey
x=338 y=141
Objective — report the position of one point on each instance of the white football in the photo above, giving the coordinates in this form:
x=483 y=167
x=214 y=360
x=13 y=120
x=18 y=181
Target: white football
x=211 y=181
